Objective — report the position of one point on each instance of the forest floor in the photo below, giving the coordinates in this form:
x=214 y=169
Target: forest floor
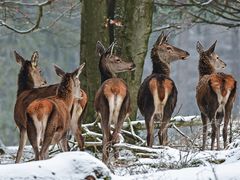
x=182 y=160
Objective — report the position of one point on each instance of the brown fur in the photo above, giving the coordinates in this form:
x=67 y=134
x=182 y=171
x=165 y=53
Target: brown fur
x=53 y=114
x=27 y=94
x=157 y=95
x=112 y=100
x=212 y=88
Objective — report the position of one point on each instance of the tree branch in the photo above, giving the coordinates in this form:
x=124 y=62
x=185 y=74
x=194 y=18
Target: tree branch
x=39 y=16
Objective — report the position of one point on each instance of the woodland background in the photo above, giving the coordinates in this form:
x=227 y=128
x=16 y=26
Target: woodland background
x=68 y=30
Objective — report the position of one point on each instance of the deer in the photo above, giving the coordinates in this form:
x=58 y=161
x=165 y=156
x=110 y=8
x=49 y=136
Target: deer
x=112 y=99
x=48 y=119
x=215 y=94
x=31 y=86
x=157 y=95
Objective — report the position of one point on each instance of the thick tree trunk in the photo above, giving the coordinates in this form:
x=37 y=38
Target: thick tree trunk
x=94 y=14
x=133 y=38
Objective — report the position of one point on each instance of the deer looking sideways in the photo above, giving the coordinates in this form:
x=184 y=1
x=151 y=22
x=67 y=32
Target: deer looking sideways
x=48 y=119
x=215 y=94
x=29 y=79
x=112 y=100
x=157 y=95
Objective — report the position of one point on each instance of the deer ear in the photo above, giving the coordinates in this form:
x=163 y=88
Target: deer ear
x=19 y=59
x=78 y=71
x=212 y=48
x=110 y=48
x=100 y=48
x=34 y=59
x=59 y=71
x=199 y=47
x=161 y=39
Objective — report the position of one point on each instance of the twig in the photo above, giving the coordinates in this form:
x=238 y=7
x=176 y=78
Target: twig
x=39 y=16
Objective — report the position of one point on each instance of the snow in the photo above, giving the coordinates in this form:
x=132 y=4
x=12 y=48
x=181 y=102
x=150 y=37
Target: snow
x=218 y=172
x=185 y=118
x=135 y=162
x=79 y=165
x=69 y=165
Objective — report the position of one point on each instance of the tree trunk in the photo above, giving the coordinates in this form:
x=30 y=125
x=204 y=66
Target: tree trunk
x=133 y=38
x=94 y=14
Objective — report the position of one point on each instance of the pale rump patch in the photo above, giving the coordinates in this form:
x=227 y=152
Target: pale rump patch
x=77 y=111
x=40 y=125
x=115 y=92
x=115 y=103
x=222 y=100
x=160 y=95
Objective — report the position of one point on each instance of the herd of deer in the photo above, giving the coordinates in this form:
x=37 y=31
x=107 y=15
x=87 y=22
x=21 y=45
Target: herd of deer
x=45 y=114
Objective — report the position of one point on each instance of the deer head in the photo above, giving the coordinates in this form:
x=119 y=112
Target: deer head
x=166 y=52
x=30 y=71
x=71 y=78
x=111 y=63
x=210 y=57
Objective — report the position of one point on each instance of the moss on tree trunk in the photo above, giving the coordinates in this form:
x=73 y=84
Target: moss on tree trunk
x=133 y=38
x=92 y=29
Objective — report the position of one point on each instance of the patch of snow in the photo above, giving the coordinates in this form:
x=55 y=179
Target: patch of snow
x=69 y=165
x=185 y=118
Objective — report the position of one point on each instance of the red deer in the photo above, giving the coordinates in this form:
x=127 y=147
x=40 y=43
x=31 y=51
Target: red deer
x=30 y=77
x=112 y=100
x=215 y=94
x=48 y=119
x=157 y=95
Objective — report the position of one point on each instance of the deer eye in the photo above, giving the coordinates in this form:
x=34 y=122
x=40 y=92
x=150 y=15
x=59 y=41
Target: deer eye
x=169 y=48
x=118 y=60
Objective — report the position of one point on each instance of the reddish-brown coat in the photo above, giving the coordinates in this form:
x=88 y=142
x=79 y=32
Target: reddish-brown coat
x=222 y=82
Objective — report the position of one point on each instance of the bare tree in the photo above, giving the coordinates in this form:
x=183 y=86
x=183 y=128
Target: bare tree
x=225 y=13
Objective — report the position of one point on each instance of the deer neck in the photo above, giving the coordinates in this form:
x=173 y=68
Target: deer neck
x=105 y=72
x=65 y=93
x=160 y=66
x=25 y=82
x=204 y=67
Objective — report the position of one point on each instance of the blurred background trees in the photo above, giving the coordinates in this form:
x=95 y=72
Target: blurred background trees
x=65 y=31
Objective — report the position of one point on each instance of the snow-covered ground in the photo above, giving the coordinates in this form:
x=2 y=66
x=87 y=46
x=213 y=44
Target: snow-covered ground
x=183 y=162
x=219 y=165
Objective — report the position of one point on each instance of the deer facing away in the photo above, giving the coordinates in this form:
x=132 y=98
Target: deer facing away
x=215 y=94
x=29 y=79
x=112 y=100
x=157 y=95
x=49 y=118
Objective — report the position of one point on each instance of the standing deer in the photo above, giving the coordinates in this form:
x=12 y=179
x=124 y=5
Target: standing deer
x=29 y=79
x=48 y=119
x=215 y=94
x=157 y=95
x=112 y=100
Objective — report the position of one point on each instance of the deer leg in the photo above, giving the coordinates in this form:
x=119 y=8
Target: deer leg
x=213 y=135
x=227 y=118
x=32 y=136
x=48 y=137
x=204 y=122
x=150 y=130
x=64 y=143
x=115 y=136
x=22 y=143
x=162 y=133
x=106 y=144
x=79 y=138
x=218 y=134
